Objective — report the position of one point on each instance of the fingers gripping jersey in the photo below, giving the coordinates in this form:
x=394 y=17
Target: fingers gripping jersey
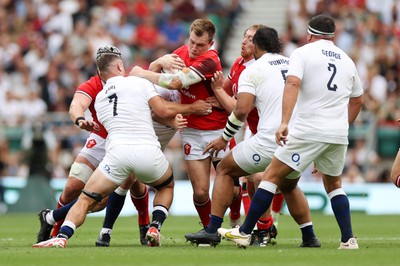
x=91 y=88
x=205 y=66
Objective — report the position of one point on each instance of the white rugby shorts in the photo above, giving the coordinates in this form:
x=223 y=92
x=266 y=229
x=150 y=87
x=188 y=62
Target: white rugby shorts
x=194 y=141
x=94 y=149
x=147 y=162
x=328 y=158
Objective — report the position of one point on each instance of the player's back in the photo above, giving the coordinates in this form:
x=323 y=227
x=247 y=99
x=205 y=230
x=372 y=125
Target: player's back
x=265 y=78
x=122 y=107
x=329 y=78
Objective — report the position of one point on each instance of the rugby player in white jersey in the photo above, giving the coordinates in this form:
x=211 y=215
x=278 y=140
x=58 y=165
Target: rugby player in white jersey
x=324 y=83
x=261 y=86
x=124 y=107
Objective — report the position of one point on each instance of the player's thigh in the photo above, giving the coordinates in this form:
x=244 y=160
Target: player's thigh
x=99 y=183
x=331 y=161
x=93 y=151
x=199 y=173
x=194 y=141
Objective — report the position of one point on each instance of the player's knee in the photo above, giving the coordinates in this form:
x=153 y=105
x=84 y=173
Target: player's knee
x=81 y=172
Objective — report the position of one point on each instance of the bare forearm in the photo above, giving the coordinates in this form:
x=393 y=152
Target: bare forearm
x=225 y=99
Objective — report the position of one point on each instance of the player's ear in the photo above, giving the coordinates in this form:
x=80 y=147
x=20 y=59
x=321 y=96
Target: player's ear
x=211 y=43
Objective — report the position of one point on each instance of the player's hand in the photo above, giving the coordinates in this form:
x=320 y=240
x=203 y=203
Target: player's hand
x=180 y=122
x=136 y=71
x=214 y=102
x=215 y=146
x=217 y=81
x=88 y=125
x=201 y=107
x=281 y=134
x=171 y=62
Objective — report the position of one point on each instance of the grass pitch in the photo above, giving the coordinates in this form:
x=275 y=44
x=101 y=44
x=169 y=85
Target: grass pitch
x=378 y=237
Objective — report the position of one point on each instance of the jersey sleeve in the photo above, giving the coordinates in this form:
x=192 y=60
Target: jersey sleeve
x=296 y=65
x=247 y=81
x=149 y=89
x=206 y=65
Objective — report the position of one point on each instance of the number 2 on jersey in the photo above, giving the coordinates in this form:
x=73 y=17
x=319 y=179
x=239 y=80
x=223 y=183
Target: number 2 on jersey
x=332 y=87
x=114 y=98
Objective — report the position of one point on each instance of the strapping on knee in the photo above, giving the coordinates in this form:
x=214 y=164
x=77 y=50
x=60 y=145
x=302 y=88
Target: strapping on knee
x=165 y=183
x=93 y=195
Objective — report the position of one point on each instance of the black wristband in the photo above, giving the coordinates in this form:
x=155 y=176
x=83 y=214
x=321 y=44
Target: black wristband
x=79 y=119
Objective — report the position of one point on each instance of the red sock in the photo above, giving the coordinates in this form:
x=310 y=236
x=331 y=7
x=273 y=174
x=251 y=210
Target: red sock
x=204 y=210
x=142 y=207
x=246 y=197
x=235 y=206
x=265 y=223
x=57 y=225
x=277 y=202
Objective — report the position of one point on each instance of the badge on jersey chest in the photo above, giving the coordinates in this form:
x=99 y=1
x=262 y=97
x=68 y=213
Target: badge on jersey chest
x=186 y=148
x=91 y=143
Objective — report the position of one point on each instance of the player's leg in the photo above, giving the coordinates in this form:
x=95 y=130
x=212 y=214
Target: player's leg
x=115 y=204
x=331 y=176
x=139 y=194
x=222 y=195
x=79 y=173
x=274 y=174
x=98 y=187
x=82 y=168
x=199 y=175
x=160 y=178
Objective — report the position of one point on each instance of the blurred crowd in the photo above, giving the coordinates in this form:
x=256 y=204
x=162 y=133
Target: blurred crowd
x=47 y=49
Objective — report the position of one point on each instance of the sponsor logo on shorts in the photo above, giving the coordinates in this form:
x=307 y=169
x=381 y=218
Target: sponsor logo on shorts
x=256 y=158
x=107 y=168
x=296 y=158
x=186 y=148
x=91 y=143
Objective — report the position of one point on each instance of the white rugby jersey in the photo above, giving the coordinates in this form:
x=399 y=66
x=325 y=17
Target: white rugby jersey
x=329 y=78
x=265 y=79
x=123 y=109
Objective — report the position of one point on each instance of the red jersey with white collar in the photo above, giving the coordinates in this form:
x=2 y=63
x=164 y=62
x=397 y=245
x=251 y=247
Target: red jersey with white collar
x=91 y=88
x=236 y=70
x=205 y=66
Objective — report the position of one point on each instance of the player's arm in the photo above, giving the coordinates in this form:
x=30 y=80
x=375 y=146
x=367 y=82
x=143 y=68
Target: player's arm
x=245 y=103
x=79 y=104
x=355 y=105
x=177 y=81
x=290 y=94
x=222 y=89
x=170 y=62
x=165 y=109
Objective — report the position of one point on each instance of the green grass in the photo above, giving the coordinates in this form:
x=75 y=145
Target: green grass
x=378 y=237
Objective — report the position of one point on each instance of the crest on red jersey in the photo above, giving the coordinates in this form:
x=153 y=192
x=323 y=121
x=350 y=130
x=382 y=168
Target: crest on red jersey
x=186 y=148
x=91 y=143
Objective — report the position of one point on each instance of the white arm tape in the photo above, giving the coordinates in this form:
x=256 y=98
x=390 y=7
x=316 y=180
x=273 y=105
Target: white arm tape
x=185 y=78
x=233 y=125
x=165 y=79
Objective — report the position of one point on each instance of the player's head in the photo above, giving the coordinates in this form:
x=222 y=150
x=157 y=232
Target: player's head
x=109 y=59
x=266 y=40
x=201 y=37
x=322 y=26
x=247 y=48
